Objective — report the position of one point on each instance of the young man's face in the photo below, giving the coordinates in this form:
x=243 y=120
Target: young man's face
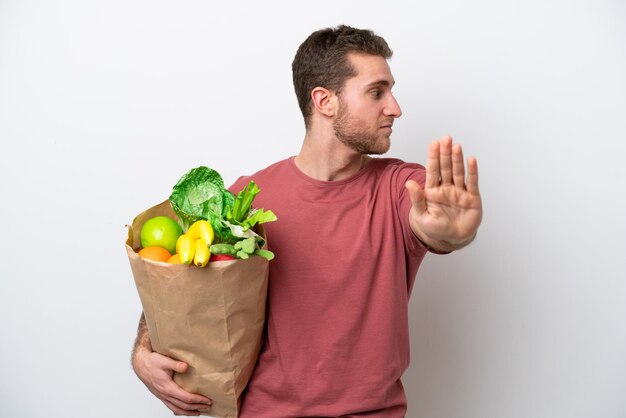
x=367 y=107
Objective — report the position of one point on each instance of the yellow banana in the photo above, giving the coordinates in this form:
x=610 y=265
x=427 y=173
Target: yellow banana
x=202 y=229
x=202 y=255
x=185 y=248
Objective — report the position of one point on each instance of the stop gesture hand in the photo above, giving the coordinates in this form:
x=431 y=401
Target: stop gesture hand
x=446 y=214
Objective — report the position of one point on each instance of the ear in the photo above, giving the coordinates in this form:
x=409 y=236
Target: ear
x=324 y=101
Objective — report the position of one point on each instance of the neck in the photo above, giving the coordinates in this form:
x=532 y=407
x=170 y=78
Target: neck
x=328 y=160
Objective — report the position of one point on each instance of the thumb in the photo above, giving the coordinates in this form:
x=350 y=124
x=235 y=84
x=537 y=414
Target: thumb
x=177 y=366
x=180 y=367
x=418 y=199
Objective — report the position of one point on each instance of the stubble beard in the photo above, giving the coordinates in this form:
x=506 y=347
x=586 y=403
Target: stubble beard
x=353 y=133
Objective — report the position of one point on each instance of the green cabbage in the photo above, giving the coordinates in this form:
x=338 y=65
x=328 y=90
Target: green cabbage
x=200 y=194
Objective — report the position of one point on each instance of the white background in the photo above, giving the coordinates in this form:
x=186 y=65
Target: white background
x=105 y=104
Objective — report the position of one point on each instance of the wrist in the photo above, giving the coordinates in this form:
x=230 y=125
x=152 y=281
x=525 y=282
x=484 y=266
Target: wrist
x=445 y=247
x=139 y=361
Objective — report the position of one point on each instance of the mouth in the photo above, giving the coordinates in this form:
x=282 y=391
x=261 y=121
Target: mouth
x=387 y=125
x=387 y=128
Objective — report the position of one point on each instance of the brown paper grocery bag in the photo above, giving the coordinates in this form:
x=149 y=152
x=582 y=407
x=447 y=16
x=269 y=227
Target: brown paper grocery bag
x=210 y=317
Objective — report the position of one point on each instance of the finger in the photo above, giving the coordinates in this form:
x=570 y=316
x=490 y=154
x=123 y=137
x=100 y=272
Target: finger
x=458 y=167
x=179 y=411
x=433 y=176
x=180 y=366
x=445 y=160
x=417 y=196
x=168 y=363
x=472 y=175
x=176 y=366
x=184 y=399
x=190 y=407
x=168 y=389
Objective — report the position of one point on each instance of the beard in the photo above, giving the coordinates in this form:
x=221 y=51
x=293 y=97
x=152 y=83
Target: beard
x=354 y=133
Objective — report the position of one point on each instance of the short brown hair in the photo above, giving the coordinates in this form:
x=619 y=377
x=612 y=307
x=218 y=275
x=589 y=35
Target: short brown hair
x=321 y=60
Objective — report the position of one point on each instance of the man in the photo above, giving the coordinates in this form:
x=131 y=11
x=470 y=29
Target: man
x=352 y=232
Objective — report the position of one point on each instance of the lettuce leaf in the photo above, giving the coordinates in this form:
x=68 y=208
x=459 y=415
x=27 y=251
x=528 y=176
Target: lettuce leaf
x=200 y=194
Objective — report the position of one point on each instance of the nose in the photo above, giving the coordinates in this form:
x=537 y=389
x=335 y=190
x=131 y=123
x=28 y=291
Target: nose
x=392 y=108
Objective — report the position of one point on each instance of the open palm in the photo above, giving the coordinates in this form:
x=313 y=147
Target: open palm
x=447 y=213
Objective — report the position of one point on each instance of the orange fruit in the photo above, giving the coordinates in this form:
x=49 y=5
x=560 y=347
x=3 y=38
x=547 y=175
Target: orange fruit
x=161 y=231
x=175 y=259
x=155 y=253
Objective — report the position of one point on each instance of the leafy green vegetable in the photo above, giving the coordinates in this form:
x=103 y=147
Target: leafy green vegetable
x=259 y=216
x=243 y=203
x=243 y=214
x=200 y=194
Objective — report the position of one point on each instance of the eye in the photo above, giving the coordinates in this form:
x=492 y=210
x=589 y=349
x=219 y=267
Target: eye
x=376 y=93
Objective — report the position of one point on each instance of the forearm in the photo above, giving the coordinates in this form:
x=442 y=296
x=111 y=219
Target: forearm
x=142 y=341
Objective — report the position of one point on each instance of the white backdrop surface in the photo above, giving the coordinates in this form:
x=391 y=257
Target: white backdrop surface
x=104 y=105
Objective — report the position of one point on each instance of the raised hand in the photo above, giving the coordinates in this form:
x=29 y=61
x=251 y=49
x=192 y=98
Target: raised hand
x=447 y=213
